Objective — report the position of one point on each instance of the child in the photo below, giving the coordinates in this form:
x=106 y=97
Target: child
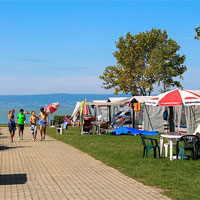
x=33 y=121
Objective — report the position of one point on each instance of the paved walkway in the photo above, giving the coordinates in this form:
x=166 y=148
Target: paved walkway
x=53 y=170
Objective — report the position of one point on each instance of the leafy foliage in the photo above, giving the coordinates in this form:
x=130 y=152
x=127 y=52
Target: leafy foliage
x=197 y=36
x=58 y=119
x=143 y=60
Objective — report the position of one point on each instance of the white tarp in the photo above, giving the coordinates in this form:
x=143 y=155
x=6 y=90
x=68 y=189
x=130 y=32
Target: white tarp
x=99 y=101
x=153 y=118
x=77 y=107
x=141 y=99
x=121 y=103
x=192 y=115
x=122 y=100
x=102 y=103
x=118 y=99
x=192 y=118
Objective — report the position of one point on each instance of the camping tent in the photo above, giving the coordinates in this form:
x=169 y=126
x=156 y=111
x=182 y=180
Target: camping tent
x=192 y=115
x=189 y=120
x=103 y=108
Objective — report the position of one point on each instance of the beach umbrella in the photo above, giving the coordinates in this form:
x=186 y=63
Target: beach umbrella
x=86 y=110
x=51 y=108
x=175 y=98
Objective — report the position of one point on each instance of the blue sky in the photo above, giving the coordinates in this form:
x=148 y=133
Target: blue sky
x=63 y=46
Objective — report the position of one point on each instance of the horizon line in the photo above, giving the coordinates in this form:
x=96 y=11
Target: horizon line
x=63 y=93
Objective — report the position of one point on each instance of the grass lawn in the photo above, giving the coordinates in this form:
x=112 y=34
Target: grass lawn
x=179 y=179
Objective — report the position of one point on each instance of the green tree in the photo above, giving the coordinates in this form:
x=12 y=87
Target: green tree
x=144 y=60
x=197 y=36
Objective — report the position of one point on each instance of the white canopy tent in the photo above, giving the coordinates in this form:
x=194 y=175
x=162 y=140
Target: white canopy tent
x=101 y=103
x=118 y=99
x=104 y=108
x=77 y=107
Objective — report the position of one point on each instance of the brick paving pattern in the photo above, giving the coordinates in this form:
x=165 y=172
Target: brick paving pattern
x=50 y=170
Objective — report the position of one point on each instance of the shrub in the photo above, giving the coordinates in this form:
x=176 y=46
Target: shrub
x=58 y=119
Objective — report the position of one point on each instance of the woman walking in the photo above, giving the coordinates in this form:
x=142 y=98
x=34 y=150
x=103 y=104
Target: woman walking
x=11 y=124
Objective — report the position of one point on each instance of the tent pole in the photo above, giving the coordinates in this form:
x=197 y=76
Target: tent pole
x=109 y=114
x=132 y=115
x=171 y=119
x=194 y=125
x=179 y=118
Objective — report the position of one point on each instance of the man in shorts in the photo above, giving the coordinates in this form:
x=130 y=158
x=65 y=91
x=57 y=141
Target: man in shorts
x=21 y=121
x=33 y=121
x=43 y=123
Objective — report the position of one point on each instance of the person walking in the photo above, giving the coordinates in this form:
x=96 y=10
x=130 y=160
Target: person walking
x=43 y=123
x=21 y=121
x=33 y=121
x=11 y=124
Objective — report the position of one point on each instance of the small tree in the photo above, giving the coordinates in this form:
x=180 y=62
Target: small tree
x=197 y=36
x=143 y=60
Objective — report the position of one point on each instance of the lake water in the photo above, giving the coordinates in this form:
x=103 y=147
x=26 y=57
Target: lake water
x=4 y=112
x=34 y=102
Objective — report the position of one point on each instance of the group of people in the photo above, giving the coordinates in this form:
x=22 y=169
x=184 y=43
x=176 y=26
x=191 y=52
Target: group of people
x=21 y=122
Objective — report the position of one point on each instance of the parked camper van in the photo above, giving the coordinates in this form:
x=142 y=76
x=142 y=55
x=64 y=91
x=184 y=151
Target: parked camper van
x=121 y=118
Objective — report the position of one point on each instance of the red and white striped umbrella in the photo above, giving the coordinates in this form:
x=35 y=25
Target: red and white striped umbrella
x=51 y=108
x=175 y=98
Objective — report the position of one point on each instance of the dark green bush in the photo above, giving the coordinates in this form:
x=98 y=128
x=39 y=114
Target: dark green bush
x=58 y=119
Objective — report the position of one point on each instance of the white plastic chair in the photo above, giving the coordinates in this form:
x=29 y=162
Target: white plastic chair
x=59 y=129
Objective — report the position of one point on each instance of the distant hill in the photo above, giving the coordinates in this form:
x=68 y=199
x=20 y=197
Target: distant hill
x=66 y=100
